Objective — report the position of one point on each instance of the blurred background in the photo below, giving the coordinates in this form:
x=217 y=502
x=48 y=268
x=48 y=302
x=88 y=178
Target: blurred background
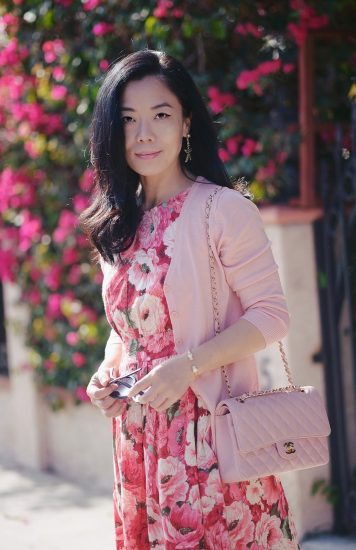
x=279 y=79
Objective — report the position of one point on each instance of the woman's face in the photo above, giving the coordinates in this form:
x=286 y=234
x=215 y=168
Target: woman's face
x=154 y=126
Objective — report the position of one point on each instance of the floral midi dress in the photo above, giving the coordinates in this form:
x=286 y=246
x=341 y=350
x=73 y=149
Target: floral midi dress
x=167 y=492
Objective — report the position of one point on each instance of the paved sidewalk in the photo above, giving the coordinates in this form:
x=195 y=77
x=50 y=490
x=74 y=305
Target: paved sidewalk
x=40 y=511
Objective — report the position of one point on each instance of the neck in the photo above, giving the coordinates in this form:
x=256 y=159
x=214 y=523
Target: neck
x=161 y=187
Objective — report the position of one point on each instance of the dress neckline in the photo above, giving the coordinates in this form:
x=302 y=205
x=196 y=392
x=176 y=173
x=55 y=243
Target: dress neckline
x=168 y=201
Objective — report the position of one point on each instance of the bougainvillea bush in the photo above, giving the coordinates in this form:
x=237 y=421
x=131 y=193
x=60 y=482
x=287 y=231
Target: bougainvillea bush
x=53 y=56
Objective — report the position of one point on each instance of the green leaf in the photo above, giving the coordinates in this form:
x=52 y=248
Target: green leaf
x=150 y=24
x=218 y=29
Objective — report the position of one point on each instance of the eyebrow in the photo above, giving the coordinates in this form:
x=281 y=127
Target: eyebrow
x=165 y=104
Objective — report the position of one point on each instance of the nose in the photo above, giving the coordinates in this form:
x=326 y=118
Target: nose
x=144 y=132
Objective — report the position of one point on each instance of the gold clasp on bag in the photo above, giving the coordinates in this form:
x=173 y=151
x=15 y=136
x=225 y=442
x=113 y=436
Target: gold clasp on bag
x=289 y=447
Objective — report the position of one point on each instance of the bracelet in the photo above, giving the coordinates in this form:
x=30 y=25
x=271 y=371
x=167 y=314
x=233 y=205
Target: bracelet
x=194 y=368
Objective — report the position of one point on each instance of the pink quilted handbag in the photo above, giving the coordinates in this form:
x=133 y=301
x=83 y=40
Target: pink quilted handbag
x=266 y=432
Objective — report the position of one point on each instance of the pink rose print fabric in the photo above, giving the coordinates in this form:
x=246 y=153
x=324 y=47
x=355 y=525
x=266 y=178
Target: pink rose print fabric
x=168 y=493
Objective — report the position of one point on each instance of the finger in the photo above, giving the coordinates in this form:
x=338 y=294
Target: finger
x=159 y=402
x=141 y=385
x=96 y=393
x=148 y=396
x=105 y=375
x=116 y=409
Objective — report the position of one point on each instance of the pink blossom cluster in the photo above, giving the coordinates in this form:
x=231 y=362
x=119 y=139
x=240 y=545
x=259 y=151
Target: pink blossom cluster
x=219 y=100
x=234 y=144
x=102 y=28
x=308 y=20
x=18 y=189
x=165 y=8
x=35 y=115
x=251 y=77
x=249 y=28
x=52 y=50
x=9 y=22
x=89 y=5
x=12 y=53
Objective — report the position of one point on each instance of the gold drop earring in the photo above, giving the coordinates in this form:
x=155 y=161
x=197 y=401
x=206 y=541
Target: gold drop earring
x=188 y=150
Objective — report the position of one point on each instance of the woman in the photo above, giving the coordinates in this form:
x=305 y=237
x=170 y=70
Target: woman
x=155 y=157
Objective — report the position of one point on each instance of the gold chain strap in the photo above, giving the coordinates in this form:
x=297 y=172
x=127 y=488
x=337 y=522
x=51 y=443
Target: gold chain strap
x=217 y=327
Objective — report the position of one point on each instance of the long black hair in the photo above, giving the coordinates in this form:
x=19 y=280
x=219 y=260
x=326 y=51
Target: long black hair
x=110 y=222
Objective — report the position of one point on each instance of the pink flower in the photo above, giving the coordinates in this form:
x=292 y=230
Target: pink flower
x=72 y=338
x=150 y=229
x=103 y=64
x=32 y=150
x=254 y=492
x=184 y=527
x=216 y=535
x=59 y=92
x=272 y=489
x=240 y=525
x=162 y=9
x=177 y=12
x=268 y=67
x=143 y=271
x=74 y=275
x=54 y=306
x=218 y=100
x=7 y=265
x=12 y=53
x=288 y=67
x=102 y=28
x=66 y=224
x=249 y=147
x=232 y=144
x=52 y=49
x=268 y=531
x=249 y=28
x=34 y=297
x=148 y=314
x=80 y=202
x=89 y=5
x=86 y=181
x=30 y=231
x=52 y=277
x=81 y=394
x=70 y=255
x=78 y=359
x=172 y=481
x=224 y=155
x=246 y=78
x=58 y=73
x=266 y=172
x=49 y=365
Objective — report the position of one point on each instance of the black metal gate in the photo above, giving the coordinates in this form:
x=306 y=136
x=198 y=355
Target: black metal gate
x=335 y=240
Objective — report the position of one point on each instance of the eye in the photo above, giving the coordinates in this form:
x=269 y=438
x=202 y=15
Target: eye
x=126 y=119
x=162 y=115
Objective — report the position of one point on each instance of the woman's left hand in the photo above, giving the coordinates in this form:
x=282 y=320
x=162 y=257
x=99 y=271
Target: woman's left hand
x=164 y=384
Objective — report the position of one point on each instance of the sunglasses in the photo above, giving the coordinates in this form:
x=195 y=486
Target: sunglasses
x=125 y=383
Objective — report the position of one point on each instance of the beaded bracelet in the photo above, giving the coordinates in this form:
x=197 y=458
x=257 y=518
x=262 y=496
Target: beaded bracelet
x=195 y=369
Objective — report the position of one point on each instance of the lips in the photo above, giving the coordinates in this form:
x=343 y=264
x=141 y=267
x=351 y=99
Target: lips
x=148 y=155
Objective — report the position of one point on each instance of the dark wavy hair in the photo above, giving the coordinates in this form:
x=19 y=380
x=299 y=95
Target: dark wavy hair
x=111 y=221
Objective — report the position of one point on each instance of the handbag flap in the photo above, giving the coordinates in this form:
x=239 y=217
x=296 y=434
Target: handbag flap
x=267 y=419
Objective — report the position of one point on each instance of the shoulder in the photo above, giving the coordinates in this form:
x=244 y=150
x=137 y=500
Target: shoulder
x=231 y=207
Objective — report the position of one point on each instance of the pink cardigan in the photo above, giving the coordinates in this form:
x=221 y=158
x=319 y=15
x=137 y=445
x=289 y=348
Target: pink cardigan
x=248 y=283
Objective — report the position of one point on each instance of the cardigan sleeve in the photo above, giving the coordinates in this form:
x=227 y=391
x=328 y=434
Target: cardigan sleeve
x=249 y=266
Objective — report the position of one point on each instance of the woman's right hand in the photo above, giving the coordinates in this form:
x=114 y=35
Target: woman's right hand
x=99 y=389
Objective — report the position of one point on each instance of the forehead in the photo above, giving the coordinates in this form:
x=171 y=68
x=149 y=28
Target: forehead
x=148 y=91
